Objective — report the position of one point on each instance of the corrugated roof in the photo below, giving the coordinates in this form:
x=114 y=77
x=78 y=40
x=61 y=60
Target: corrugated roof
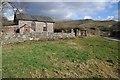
x=22 y=16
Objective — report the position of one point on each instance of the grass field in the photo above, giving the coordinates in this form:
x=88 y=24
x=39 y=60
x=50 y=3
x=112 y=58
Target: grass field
x=80 y=57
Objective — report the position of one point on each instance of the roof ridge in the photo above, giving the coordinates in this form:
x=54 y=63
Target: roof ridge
x=35 y=15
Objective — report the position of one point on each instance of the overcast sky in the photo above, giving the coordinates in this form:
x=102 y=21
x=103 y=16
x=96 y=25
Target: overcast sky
x=70 y=10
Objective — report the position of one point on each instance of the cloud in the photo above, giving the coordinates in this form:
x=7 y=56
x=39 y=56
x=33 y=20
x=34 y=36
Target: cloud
x=65 y=0
x=10 y=18
x=7 y=11
x=65 y=10
x=110 y=17
x=99 y=17
x=69 y=15
x=87 y=17
x=8 y=15
x=21 y=10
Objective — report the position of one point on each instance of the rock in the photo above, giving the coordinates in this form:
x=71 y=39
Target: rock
x=43 y=70
x=56 y=71
x=68 y=69
x=73 y=60
x=78 y=66
x=31 y=39
x=110 y=61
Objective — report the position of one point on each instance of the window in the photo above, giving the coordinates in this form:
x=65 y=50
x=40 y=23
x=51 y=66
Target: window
x=45 y=27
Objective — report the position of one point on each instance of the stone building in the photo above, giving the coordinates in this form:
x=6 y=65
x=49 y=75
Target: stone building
x=27 y=23
x=32 y=23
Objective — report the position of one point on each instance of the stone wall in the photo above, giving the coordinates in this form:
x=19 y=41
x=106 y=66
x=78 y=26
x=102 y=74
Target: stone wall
x=13 y=38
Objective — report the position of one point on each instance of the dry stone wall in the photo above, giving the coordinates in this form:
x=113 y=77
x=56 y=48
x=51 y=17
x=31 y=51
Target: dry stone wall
x=6 y=38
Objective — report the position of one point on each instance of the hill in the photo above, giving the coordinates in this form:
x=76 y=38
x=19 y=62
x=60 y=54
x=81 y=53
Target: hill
x=87 y=23
x=92 y=26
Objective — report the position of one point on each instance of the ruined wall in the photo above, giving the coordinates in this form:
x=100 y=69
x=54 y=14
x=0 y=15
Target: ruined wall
x=39 y=26
x=21 y=23
x=9 y=29
x=50 y=27
x=13 y=38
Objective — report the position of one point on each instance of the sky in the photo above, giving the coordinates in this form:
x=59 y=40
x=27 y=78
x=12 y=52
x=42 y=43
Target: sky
x=68 y=10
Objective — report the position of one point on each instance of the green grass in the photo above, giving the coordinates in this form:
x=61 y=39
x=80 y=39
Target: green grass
x=32 y=59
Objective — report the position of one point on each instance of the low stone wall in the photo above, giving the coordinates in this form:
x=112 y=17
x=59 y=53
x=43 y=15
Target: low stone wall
x=13 y=37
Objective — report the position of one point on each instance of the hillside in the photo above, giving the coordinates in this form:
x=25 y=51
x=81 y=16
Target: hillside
x=93 y=27
x=88 y=23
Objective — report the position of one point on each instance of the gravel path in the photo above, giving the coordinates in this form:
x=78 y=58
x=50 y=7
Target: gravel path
x=111 y=38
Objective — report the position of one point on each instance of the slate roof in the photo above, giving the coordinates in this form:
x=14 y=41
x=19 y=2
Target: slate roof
x=22 y=16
